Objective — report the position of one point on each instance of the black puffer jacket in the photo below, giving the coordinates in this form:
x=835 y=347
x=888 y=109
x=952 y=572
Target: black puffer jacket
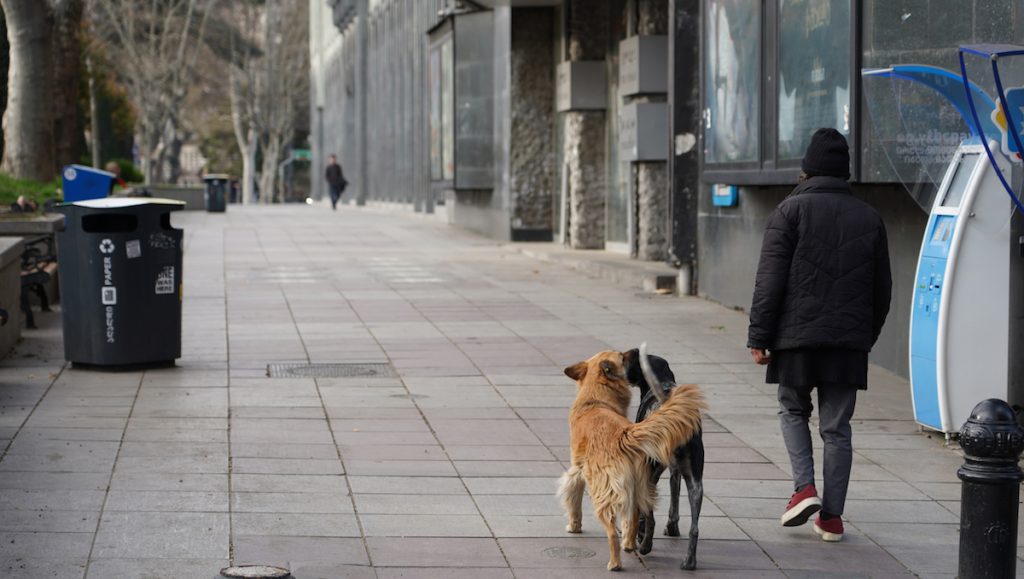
x=823 y=280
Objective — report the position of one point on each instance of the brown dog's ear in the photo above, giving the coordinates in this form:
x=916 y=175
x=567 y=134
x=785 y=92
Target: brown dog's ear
x=577 y=371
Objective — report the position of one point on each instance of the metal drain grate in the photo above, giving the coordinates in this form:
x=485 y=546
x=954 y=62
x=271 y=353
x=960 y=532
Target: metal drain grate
x=330 y=370
x=572 y=553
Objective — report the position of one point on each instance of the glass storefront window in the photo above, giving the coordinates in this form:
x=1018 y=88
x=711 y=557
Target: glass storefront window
x=814 y=71
x=448 y=109
x=441 y=88
x=732 y=82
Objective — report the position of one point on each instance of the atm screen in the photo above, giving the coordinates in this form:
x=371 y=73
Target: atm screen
x=958 y=186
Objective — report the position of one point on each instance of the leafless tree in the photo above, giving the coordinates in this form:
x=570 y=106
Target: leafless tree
x=154 y=45
x=269 y=82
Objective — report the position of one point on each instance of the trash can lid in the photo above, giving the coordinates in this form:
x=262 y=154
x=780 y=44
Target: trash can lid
x=216 y=177
x=71 y=171
x=117 y=202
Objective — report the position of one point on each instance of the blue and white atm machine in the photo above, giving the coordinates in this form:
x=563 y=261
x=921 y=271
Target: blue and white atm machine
x=959 y=325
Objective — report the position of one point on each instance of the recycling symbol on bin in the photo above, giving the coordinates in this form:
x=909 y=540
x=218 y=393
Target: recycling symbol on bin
x=106 y=246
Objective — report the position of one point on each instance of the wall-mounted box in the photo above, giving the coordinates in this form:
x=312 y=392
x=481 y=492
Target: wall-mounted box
x=643 y=132
x=725 y=195
x=643 y=65
x=581 y=85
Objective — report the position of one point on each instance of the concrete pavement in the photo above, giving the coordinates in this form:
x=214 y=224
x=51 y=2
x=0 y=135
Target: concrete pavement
x=443 y=464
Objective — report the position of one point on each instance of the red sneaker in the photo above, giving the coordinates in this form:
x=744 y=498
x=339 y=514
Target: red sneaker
x=800 y=508
x=831 y=530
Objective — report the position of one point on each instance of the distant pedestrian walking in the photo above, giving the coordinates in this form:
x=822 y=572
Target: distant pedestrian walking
x=820 y=298
x=336 y=182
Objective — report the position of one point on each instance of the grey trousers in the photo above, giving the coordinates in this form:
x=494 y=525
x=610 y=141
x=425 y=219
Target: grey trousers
x=835 y=407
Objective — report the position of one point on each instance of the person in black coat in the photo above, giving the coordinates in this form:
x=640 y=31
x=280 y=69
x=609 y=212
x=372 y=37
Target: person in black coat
x=335 y=181
x=820 y=299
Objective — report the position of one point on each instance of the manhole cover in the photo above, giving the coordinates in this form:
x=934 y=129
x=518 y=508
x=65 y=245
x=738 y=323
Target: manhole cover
x=255 y=572
x=330 y=370
x=569 y=553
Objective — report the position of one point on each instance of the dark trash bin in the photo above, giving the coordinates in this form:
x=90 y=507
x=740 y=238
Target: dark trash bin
x=216 y=192
x=119 y=264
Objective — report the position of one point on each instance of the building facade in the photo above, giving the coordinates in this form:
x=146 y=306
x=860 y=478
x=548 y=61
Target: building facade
x=663 y=129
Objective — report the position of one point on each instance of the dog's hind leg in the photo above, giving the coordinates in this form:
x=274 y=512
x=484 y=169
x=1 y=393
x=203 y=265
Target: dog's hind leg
x=629 y=522
x=693 y=473
x=672 y=527
x=608 y=520
x=645 y=534
x=571 y=492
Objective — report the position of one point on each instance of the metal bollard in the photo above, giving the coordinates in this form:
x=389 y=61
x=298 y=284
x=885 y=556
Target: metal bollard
x=992 y=442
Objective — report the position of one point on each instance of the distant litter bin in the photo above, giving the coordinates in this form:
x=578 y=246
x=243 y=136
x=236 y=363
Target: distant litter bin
x=120 y=266
x=216 y=192
x=80 y=183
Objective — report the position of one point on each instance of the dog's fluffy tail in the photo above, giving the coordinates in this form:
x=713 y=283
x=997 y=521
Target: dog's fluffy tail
x=675 y=423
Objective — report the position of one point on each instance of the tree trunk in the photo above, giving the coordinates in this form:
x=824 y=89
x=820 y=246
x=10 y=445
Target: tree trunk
x=149 y=155
x=248 y=150
x=94 y=116
x=268 y=178
x=28 y=120
x=67 y=79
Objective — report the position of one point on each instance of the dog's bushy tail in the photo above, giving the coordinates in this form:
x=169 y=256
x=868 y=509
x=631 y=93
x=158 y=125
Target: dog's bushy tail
x=675 y=423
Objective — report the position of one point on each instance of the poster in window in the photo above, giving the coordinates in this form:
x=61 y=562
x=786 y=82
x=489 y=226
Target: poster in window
x=732 y=83
x=814 y=71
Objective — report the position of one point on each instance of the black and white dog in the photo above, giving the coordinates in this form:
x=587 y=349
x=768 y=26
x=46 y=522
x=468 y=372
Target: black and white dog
x=653 y=376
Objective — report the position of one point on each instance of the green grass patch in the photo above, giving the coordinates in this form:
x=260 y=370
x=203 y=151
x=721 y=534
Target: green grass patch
x=11 y=189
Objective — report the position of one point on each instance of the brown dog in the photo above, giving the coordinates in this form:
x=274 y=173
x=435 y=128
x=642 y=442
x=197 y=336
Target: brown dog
x=610 y=453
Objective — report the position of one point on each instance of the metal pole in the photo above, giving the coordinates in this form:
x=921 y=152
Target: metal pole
x=362 y=140
x=992 y=442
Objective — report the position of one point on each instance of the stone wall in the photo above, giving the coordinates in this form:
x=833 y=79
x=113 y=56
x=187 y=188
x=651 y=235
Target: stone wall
x=585 y=133
x=652 y=211
x=584 y=160
x=652 y=188
x=532 y=174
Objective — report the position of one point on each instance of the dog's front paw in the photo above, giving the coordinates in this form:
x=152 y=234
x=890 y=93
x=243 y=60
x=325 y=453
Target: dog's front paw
x=672 y=530
x=689 y=564
x=614 y=566
x=574 y=528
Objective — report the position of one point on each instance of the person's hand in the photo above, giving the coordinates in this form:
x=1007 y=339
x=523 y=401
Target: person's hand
x=760 y=356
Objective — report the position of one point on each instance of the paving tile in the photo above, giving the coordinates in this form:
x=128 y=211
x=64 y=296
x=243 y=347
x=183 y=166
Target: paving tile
x=37 y=566
x=716 y=558
x=295 y=524
x=308 y=502
x=583 y=554
x=424 y=526
x=534 y=452
x=163 y=567
x=274 y=483
x=166 y=501
x=285 y=551
x=406 y=485
x=56 y=499
x=279 y=450
x=415 y=504
x=448 y=572
x=286 y=466
x=512 y=485
x=48 y=545
x=434 y=552
x=430 y=468
x=169 y=482
x=499 y=468
x=162 y=535
x=48 y=520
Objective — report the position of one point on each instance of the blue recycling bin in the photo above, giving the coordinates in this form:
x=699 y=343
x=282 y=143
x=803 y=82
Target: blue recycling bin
x=82 y=183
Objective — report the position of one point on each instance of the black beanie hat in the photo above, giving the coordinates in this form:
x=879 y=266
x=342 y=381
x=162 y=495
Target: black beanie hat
x=828 y=154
